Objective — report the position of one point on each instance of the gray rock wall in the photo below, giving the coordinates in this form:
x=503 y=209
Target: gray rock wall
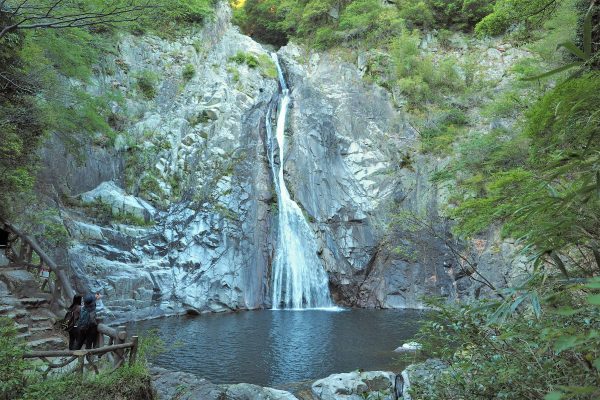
x=345 y=142
x=207 y=245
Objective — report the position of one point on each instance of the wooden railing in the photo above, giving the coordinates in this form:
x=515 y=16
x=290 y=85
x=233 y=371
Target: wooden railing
x=24 y=255
x=86 y=358
x=20 y=251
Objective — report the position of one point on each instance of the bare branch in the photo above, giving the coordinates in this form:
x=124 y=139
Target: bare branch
x=15 y=84
x=57 y=16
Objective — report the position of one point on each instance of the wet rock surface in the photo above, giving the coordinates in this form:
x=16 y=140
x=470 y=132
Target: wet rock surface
x=355 y=386
x=172 y=385
x=346 y=137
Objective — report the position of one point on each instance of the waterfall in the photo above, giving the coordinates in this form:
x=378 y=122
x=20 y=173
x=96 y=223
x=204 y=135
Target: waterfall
x=298 y=277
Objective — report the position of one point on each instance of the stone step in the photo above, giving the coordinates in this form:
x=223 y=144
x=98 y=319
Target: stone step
x=24 y=335
x=39 y=329
x=18 y=313
x=22 y=328
x=5 y=309
x=33 y=302
x=44 y=313
x=49 y=343
x=40 y=319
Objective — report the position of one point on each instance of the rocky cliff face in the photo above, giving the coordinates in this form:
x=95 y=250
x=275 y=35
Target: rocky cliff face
x=194 y=150
x=344 y=168
x=177 y=211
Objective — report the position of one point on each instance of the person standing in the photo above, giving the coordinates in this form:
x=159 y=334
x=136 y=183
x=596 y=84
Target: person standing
x=72 y=319
x=88 y=326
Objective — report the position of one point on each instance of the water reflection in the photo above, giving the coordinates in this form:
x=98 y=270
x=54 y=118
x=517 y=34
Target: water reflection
x=274 y=347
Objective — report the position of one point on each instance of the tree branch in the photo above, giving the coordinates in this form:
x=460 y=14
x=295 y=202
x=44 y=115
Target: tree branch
x=52 y=18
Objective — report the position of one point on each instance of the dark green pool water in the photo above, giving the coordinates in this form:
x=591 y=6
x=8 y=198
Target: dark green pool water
x=272 y=348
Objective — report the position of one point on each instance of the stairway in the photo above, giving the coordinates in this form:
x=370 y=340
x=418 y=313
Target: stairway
x=22 y=300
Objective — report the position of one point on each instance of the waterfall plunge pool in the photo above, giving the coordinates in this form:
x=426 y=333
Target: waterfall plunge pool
x=279 y=347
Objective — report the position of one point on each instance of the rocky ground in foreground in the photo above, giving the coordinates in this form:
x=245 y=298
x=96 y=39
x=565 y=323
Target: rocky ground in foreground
x=356 y=385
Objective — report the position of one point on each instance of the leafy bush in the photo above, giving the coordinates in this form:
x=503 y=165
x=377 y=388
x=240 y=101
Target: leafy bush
x=268 y=69
x=536 y=343
x=19 y=379
x=126 y=382
x=146 y=83
x=12 y=365
x=419 y=79
x=462 y=14
x=188 y=72
x=507 y=13
x=245 y=58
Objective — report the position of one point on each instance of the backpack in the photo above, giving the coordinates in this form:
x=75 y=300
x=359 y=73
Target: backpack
x=68 y=321
x=87 y=318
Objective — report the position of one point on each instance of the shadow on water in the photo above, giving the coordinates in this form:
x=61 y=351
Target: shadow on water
x=273 y=348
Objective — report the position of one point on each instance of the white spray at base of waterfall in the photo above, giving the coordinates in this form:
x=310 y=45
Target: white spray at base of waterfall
x=299 y=280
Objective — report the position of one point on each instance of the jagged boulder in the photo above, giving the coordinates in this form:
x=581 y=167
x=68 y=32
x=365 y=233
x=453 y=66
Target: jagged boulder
x=356 y=386
x=119 y=201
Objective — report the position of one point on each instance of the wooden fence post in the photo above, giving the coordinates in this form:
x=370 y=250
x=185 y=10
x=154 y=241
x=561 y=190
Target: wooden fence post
x=80 y=360
x=133 y=351
x=24 y=249
x=120 y=339
x=99 y=335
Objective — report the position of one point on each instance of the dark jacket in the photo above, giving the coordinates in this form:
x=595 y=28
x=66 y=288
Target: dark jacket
x=76 y=312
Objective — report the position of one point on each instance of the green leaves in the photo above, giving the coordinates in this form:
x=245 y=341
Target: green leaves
x=584 y=54
x=594 y=299
x=554 y=396
x=565 y=342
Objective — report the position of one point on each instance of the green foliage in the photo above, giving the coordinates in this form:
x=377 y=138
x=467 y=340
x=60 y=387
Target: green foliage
x=547 y=341
x=36 y=97
x=105 y=214
x=549 y=198
x=245 y=58
x=151 y=346
x=126 y=382
x=317 y=23
x=266 y=19
x=188 y=72
x=71 y=52
x=147 y=81
x=168 y=18
x=186 y=11
x=12 y=365
x=55 y=234
x=267 y=66
x=359 y=16
x=511 y=12
x=418 y=78
x=581 y=56
x=462 y=14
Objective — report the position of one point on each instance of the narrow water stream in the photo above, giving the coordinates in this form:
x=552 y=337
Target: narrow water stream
x=272 y=348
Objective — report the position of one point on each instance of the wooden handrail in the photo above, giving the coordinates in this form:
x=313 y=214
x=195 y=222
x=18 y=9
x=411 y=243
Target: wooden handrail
x=108 y=331
x=82 y=355
x=61 y=275
x=67 y=353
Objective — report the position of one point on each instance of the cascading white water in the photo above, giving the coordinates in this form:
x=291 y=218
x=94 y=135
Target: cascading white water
x=299 y=279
